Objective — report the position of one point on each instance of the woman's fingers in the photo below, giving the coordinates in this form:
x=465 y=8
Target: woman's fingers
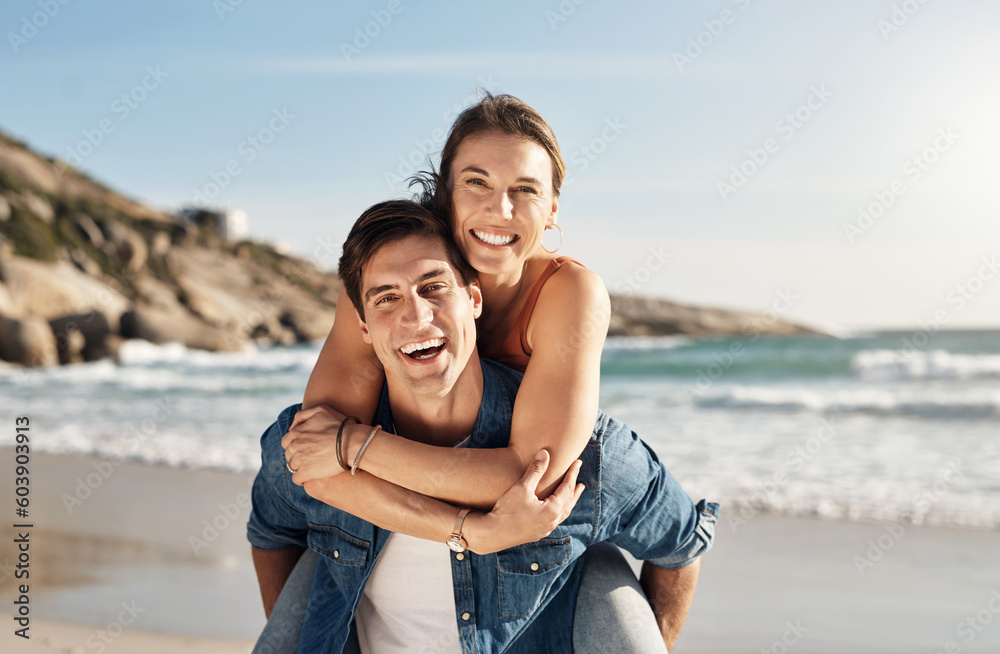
x=305 y=414
x=536 y=469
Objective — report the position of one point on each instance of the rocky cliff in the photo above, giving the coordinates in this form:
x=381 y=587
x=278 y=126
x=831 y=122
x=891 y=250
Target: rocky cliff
x=83 y=267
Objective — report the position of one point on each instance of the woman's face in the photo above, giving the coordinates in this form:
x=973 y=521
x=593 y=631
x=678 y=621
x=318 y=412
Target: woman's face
x=501 y=200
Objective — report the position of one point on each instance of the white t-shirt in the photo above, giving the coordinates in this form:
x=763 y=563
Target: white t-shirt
x=408 y=606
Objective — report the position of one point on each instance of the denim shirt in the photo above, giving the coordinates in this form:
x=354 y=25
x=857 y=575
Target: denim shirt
x=518 y=600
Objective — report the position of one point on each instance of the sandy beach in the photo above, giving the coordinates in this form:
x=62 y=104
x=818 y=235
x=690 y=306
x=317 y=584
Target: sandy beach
x=154 y=559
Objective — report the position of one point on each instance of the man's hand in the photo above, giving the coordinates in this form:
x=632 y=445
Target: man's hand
x=518 y=516
x=311 y=444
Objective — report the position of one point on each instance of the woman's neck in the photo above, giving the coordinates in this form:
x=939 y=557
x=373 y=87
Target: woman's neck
x=503 y=292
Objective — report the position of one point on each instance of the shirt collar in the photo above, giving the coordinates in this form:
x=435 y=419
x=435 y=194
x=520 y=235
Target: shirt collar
x=492 y=427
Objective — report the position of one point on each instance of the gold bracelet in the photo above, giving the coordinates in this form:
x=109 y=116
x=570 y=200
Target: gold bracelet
x=357 y=459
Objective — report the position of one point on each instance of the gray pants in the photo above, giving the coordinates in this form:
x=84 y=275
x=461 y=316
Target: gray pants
x=612 y=614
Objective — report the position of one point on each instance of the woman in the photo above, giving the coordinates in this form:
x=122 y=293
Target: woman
x=499 y=181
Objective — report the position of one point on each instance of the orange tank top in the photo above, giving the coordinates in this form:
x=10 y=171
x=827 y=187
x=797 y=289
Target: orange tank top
x=514 y=351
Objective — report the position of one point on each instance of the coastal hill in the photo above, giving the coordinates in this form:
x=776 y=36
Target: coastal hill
x=83 y=267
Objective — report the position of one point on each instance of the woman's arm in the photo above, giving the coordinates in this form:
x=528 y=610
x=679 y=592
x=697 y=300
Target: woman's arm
x=347 y=376
x=519 y=517
x=555 y=409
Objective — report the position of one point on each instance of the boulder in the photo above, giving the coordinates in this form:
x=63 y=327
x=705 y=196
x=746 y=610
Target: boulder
x=51 y=290
x=93 y=331
x=160 y=325
x=125 y=247
x=27 y=340
x=89 y=229
x=308 y=323
x=38 y=206
x=4 y=209
x=161 y=243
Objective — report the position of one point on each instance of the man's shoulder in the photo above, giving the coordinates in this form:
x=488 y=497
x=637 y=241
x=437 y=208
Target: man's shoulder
x=507 y=377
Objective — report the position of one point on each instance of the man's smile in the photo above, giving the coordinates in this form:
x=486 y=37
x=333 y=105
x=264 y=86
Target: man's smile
x=424 y=350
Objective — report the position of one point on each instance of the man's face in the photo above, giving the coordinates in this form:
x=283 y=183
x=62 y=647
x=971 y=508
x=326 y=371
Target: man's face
x=419 y=317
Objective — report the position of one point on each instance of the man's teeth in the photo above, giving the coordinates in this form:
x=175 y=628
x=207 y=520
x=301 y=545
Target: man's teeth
x=413 y=347
x=494 y=239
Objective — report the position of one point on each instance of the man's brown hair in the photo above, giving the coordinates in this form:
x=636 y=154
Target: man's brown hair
x=385 y=223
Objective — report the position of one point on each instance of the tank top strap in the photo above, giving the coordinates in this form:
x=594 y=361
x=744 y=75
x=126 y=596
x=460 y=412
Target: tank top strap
x=521 y=326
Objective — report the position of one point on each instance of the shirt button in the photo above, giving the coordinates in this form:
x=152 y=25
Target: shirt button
x=460 y=556
x=336 y=554
x=534 y=566
x=466 y=615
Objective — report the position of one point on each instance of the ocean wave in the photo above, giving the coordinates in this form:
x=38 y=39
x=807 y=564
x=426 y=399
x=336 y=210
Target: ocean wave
x=977 y=404
x=898 y=365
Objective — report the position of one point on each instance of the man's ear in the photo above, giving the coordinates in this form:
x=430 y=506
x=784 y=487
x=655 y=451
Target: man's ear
x=364 y=330
x=477 y=299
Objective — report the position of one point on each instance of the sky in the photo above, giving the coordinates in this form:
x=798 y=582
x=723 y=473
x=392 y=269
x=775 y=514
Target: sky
x=835 y=163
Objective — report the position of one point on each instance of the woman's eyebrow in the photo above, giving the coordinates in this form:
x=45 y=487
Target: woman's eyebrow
x=474 y=169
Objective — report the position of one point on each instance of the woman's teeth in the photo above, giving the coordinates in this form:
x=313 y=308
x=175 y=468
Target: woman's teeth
x=494 y=239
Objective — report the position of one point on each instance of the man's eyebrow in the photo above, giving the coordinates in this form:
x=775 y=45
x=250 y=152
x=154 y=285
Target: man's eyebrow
x=375 y=290
x=432 y=274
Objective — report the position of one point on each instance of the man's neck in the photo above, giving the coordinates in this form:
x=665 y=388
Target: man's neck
x=442 y=418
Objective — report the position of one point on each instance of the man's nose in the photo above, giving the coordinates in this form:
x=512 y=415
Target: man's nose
x=418 y=312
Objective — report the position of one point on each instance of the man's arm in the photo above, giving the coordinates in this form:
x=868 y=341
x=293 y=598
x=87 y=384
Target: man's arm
x=670 y=593
x=273 y=568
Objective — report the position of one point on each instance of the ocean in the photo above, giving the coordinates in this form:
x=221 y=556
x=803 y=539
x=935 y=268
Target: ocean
x=874 y=427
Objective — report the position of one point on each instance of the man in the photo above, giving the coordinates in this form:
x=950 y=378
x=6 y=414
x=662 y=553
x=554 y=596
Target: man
x=415 y=289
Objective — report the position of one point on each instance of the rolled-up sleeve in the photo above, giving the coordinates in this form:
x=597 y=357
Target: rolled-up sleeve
x=276 y=521
x=645 y=511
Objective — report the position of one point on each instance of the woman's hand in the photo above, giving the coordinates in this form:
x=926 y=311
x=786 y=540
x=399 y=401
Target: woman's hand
x=311 y=444
x=518 y=516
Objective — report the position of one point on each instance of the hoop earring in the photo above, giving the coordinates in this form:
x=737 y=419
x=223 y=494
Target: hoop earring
x=560 y=239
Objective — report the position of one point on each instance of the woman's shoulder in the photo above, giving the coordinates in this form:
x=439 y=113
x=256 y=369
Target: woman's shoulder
x=572 y=293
